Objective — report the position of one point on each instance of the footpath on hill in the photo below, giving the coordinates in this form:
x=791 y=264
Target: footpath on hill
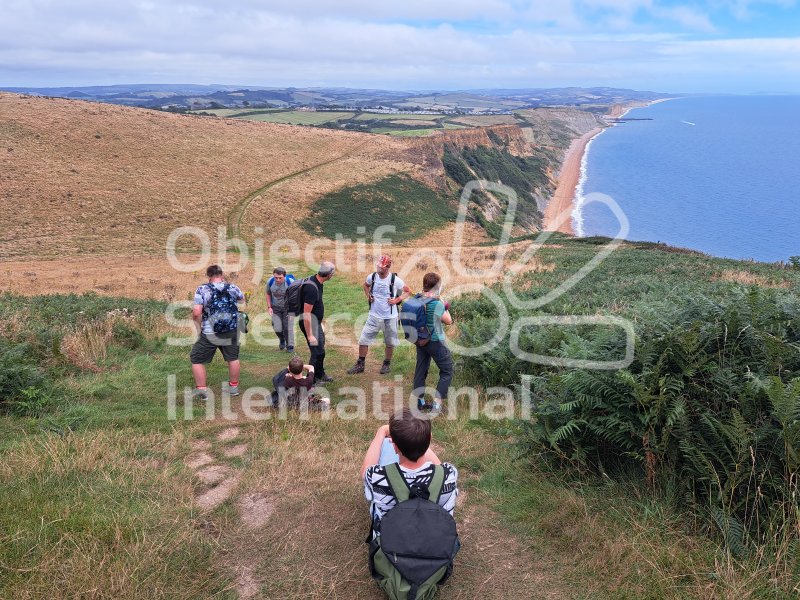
x=285 y=505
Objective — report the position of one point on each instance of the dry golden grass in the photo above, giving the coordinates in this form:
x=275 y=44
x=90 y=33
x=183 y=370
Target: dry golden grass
x=85 y=178
x=748 y=278
x=153 y=276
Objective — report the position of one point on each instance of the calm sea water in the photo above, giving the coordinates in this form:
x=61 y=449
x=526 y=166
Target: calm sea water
x=716 y=174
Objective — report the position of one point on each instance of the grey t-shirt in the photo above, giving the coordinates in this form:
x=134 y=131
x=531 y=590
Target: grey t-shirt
x=278 y=294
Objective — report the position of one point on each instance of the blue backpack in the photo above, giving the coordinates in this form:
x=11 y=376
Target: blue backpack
x=414 y=320
x=221 y=310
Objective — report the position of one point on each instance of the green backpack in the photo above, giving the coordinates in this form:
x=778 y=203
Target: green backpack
x=417 y=540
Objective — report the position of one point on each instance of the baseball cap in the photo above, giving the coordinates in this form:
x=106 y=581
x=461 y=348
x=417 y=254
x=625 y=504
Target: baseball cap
x=385 y=261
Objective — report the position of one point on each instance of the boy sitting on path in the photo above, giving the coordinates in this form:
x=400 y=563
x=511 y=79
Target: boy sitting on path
x=405 y=440
x=295 y=384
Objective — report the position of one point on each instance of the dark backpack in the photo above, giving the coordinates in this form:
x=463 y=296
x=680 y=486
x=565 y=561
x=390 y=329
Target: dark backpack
x=221 y=310
x=294 y=296
x=414 y=320
x=418 y=540
x=391 y=288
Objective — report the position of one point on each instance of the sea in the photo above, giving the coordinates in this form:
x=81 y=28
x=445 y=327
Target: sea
x=716 y=174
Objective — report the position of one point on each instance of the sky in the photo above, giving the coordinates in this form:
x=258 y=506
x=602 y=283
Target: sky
x=717 y=46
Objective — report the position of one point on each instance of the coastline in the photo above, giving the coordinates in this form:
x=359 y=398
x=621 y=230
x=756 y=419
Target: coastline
x=563 y=200
x=572 y=168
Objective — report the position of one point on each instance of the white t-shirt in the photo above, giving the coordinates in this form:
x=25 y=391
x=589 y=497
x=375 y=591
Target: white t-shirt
x=380 y=292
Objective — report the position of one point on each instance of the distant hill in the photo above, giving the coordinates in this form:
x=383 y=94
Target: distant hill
x=488 y=101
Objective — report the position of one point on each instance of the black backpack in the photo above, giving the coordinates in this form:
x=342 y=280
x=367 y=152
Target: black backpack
x=418 y=540
x=294 y=295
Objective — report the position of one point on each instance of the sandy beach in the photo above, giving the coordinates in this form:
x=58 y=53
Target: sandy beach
x=563 y=199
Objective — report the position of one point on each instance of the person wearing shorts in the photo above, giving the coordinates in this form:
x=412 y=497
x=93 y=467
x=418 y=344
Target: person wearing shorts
x=385 y=291
x=208 y=342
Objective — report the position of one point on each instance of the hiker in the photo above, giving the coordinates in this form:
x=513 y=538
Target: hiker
x=216 y=317
x=430 y=340
x=409 y=490
x=312 y=311
x=295 y=383
x=385 y=291
x=282 y=319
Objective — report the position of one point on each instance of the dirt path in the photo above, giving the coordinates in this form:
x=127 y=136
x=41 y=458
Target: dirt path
x=283 y=501
x=238 y=210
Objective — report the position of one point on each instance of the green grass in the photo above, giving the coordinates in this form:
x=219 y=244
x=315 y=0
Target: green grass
x=299 y=117
x=235 y=112
x=407 y=132
x=369 y=116
x=95 y=495
x=396 y=200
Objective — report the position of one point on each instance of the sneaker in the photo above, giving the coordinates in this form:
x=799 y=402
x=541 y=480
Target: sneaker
x=356 y=368
x=386 y=367
x=431 y=407
x=290 y=349
x=233 y=390
x=324 y=379
x=200 y=394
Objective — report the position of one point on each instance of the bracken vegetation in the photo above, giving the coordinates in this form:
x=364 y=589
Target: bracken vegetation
x=707 y=415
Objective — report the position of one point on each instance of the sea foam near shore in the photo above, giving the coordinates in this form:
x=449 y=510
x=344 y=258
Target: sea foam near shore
x=580 y=199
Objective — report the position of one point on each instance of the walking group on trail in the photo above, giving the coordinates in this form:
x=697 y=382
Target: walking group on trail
x=412 y=539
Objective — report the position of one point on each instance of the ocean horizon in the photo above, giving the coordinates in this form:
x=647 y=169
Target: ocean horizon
x=716 y=174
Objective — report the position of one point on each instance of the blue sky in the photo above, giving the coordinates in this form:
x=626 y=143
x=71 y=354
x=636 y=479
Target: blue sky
x=736 y=46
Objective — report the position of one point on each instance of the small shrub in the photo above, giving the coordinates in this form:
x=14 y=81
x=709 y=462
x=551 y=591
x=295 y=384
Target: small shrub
x=127 y=335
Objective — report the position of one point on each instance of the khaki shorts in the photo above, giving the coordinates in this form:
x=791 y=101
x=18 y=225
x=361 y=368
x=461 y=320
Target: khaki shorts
x=374 y=325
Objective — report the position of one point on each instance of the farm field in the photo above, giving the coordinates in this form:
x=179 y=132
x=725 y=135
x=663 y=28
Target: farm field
x=406 y=125
x=298 y=117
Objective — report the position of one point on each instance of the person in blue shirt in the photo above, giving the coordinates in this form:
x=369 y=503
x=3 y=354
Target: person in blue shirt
x=438 y=312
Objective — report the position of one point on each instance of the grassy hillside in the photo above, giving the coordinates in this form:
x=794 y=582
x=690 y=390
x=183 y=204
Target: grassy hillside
x=80 y=178
x=87 y=443
x=673 y=477
x=412 y=208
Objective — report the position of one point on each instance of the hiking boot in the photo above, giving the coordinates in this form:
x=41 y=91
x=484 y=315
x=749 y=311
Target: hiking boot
x=356 y=368
x=324 y=379
x=386 y=367
x=233 y=390
x=290 y=349
x=282 y=345
x=200 y=394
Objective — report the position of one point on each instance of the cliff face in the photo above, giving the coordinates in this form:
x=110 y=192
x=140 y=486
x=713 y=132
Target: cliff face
x=526 y=156
x=428 y=151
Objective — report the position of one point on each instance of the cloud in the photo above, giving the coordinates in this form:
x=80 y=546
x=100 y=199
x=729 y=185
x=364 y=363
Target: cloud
x=367 y=44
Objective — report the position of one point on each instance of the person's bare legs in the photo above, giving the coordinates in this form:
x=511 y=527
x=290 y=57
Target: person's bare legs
x=362 y=351
x=389 y=352
x=199 y=373
x=233 y=370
